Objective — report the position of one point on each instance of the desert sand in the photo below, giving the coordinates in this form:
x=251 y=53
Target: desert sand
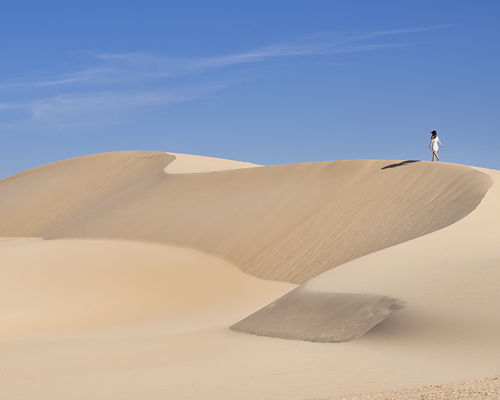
x=122 y=274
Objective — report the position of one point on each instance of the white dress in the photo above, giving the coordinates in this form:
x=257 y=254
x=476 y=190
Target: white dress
x=434 y=144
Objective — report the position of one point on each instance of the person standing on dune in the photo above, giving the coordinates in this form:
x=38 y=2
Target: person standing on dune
x=434 y=145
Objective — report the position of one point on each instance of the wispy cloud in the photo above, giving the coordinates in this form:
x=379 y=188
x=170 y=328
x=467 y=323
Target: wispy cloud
x=326 y=44
x=72 y=111
x=78 y=77
x=68 y=111
x=120 y=85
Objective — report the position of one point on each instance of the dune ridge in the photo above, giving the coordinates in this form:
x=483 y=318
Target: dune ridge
x=285 y=223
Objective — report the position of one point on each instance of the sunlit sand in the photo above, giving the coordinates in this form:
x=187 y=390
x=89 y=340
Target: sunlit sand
x=122 y=274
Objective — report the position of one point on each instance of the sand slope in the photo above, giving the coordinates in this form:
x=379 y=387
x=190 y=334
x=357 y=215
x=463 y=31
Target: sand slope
x=287 y=223
x=34 y=202
x=121 y=311
x=67 y=286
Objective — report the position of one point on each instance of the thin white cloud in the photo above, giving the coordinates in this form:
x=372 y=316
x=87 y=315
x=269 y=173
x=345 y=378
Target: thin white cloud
x=131 y=67
x=323 y=44
x=83 y=76
x=121 y=84
x=71 y=111
x=81 y=105
x=166 y=66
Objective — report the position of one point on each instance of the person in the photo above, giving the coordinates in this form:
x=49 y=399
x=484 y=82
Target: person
x=434 y=145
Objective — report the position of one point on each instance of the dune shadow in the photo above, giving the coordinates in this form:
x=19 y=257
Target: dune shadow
x=401 y=164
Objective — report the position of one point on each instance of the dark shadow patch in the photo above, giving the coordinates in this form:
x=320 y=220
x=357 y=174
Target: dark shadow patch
x=319 y=317
x=401 y=164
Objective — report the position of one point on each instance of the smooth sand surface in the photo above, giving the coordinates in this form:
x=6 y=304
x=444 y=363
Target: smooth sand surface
x=66 y=285
x=189 y=164
x=145 y=271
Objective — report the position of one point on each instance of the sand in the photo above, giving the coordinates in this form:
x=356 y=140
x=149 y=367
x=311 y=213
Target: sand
x=121 y=273
x=287 y=223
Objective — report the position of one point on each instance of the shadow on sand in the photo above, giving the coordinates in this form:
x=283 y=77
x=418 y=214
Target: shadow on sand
x=401 y=164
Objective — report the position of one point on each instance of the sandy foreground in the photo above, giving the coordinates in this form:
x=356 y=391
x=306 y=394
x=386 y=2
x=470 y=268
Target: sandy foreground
x=121 y=273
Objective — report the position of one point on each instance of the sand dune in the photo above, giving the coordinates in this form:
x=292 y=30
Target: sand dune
x=66 y=285
x=36 y=201
x=287 y=223
x=121 y=273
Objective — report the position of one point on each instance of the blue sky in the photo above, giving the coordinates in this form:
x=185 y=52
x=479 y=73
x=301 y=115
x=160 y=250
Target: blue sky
x=269 y=82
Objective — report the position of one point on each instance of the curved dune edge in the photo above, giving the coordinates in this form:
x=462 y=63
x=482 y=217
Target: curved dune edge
x=448 y=278
x=286 y=223
x=191 y=164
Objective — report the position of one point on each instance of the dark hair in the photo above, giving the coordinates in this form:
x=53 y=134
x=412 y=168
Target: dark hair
x=434 y=134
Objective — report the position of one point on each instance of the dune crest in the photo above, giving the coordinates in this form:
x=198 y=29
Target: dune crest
x=287 y=223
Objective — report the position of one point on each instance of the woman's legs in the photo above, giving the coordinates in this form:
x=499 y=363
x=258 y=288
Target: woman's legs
x=434 y=155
